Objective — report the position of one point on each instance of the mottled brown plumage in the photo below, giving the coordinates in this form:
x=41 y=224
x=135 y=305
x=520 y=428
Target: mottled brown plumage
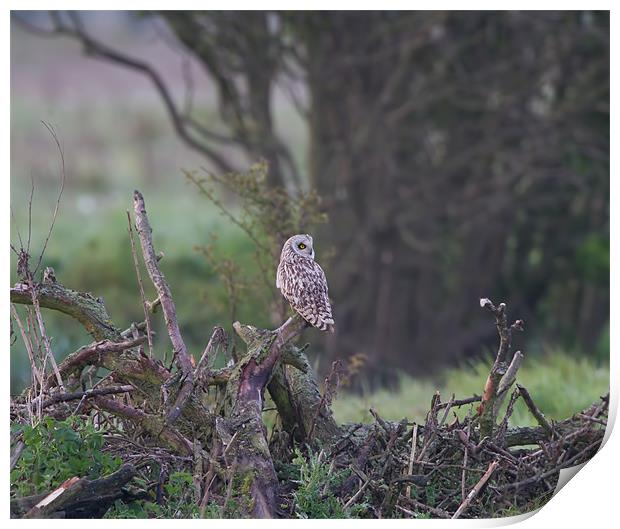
x=302 y=282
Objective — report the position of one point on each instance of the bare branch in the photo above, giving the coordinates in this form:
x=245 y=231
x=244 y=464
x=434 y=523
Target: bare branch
x=183 y=360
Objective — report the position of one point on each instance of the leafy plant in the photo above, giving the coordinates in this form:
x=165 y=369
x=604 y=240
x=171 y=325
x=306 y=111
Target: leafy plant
x=56 y=451
x=314 y=497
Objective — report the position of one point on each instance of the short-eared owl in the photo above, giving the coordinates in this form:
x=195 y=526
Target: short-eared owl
x=302 y=282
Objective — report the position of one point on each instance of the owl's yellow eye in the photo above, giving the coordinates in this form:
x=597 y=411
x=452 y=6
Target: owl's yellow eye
x=301 y=246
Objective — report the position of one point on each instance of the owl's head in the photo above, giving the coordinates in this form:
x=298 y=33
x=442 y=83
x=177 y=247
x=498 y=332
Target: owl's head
x=301 y=245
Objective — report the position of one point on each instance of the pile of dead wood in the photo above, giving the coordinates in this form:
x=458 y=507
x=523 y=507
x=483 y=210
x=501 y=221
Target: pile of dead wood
x=188 y=415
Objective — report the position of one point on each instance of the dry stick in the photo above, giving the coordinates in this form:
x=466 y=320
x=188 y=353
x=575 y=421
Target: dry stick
x=357 y=494
x=163 y=290
x=218 y=337
x=327 y=394
x=465 y=457
x=474 y=492
x=147 y=320
x=198 y=470
x=36 y=375
x=46 y=341
x=433 y=433
x=440 y=513
x=501 y=431
x=544 y=475
x=414 y=444
x=540 y=418
x=460 y=402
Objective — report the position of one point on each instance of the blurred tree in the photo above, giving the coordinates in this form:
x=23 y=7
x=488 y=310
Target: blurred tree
x=459 y=155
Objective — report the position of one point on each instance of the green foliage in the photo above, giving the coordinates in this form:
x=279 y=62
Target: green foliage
x=560 y=384
x=56 y=451
x=313 y=498
x=178 y=503
x=317 y=481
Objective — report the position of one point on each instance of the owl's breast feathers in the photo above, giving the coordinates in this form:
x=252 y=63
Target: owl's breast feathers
x=303 y=284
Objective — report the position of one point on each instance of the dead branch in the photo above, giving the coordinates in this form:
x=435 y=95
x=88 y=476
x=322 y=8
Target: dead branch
x=474 y=492
x=487 y=408
x=147 y=319
x=538 y=415
x=93 y=354
x=81 y=306
x=165 y=297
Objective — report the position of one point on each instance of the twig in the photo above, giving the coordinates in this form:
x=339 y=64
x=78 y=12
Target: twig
x=465 y=456
x=218 y=338
x=538 y=415
x=501 y=431
x=440 y=513
x=353 y=498
x=36 y=375
x=474 y=492
x=460 y=402
x=44 y=337
x=414 y=445
x=551 y=472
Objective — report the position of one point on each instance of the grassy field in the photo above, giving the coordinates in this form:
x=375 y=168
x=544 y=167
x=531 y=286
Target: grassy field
x=559 y=383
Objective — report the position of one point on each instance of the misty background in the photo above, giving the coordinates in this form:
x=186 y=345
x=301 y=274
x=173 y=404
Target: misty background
x=456 y=156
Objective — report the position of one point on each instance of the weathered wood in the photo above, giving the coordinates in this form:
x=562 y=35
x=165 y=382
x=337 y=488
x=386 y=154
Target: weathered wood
x=254 y=483
x=81 y=306
x=76 y=498
x=488 y=408
x=182 y=356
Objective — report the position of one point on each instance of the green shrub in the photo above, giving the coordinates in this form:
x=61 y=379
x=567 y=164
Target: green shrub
x=56 y=451
x=317 y=481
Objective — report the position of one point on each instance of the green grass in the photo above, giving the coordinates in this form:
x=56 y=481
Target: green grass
x=559 y=383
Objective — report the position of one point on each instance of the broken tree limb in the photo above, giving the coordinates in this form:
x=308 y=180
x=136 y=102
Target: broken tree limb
x=254 y=483
x=507 y=380
x=488 y=409
x=76 y=498
x=81 y=306
x=183 y=360
x=93 y=354
x=89 y=393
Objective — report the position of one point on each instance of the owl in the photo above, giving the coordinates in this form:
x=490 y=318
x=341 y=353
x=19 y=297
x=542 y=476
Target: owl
x=302 y=282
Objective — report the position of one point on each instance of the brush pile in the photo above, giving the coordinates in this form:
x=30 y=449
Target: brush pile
x=191 y=440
